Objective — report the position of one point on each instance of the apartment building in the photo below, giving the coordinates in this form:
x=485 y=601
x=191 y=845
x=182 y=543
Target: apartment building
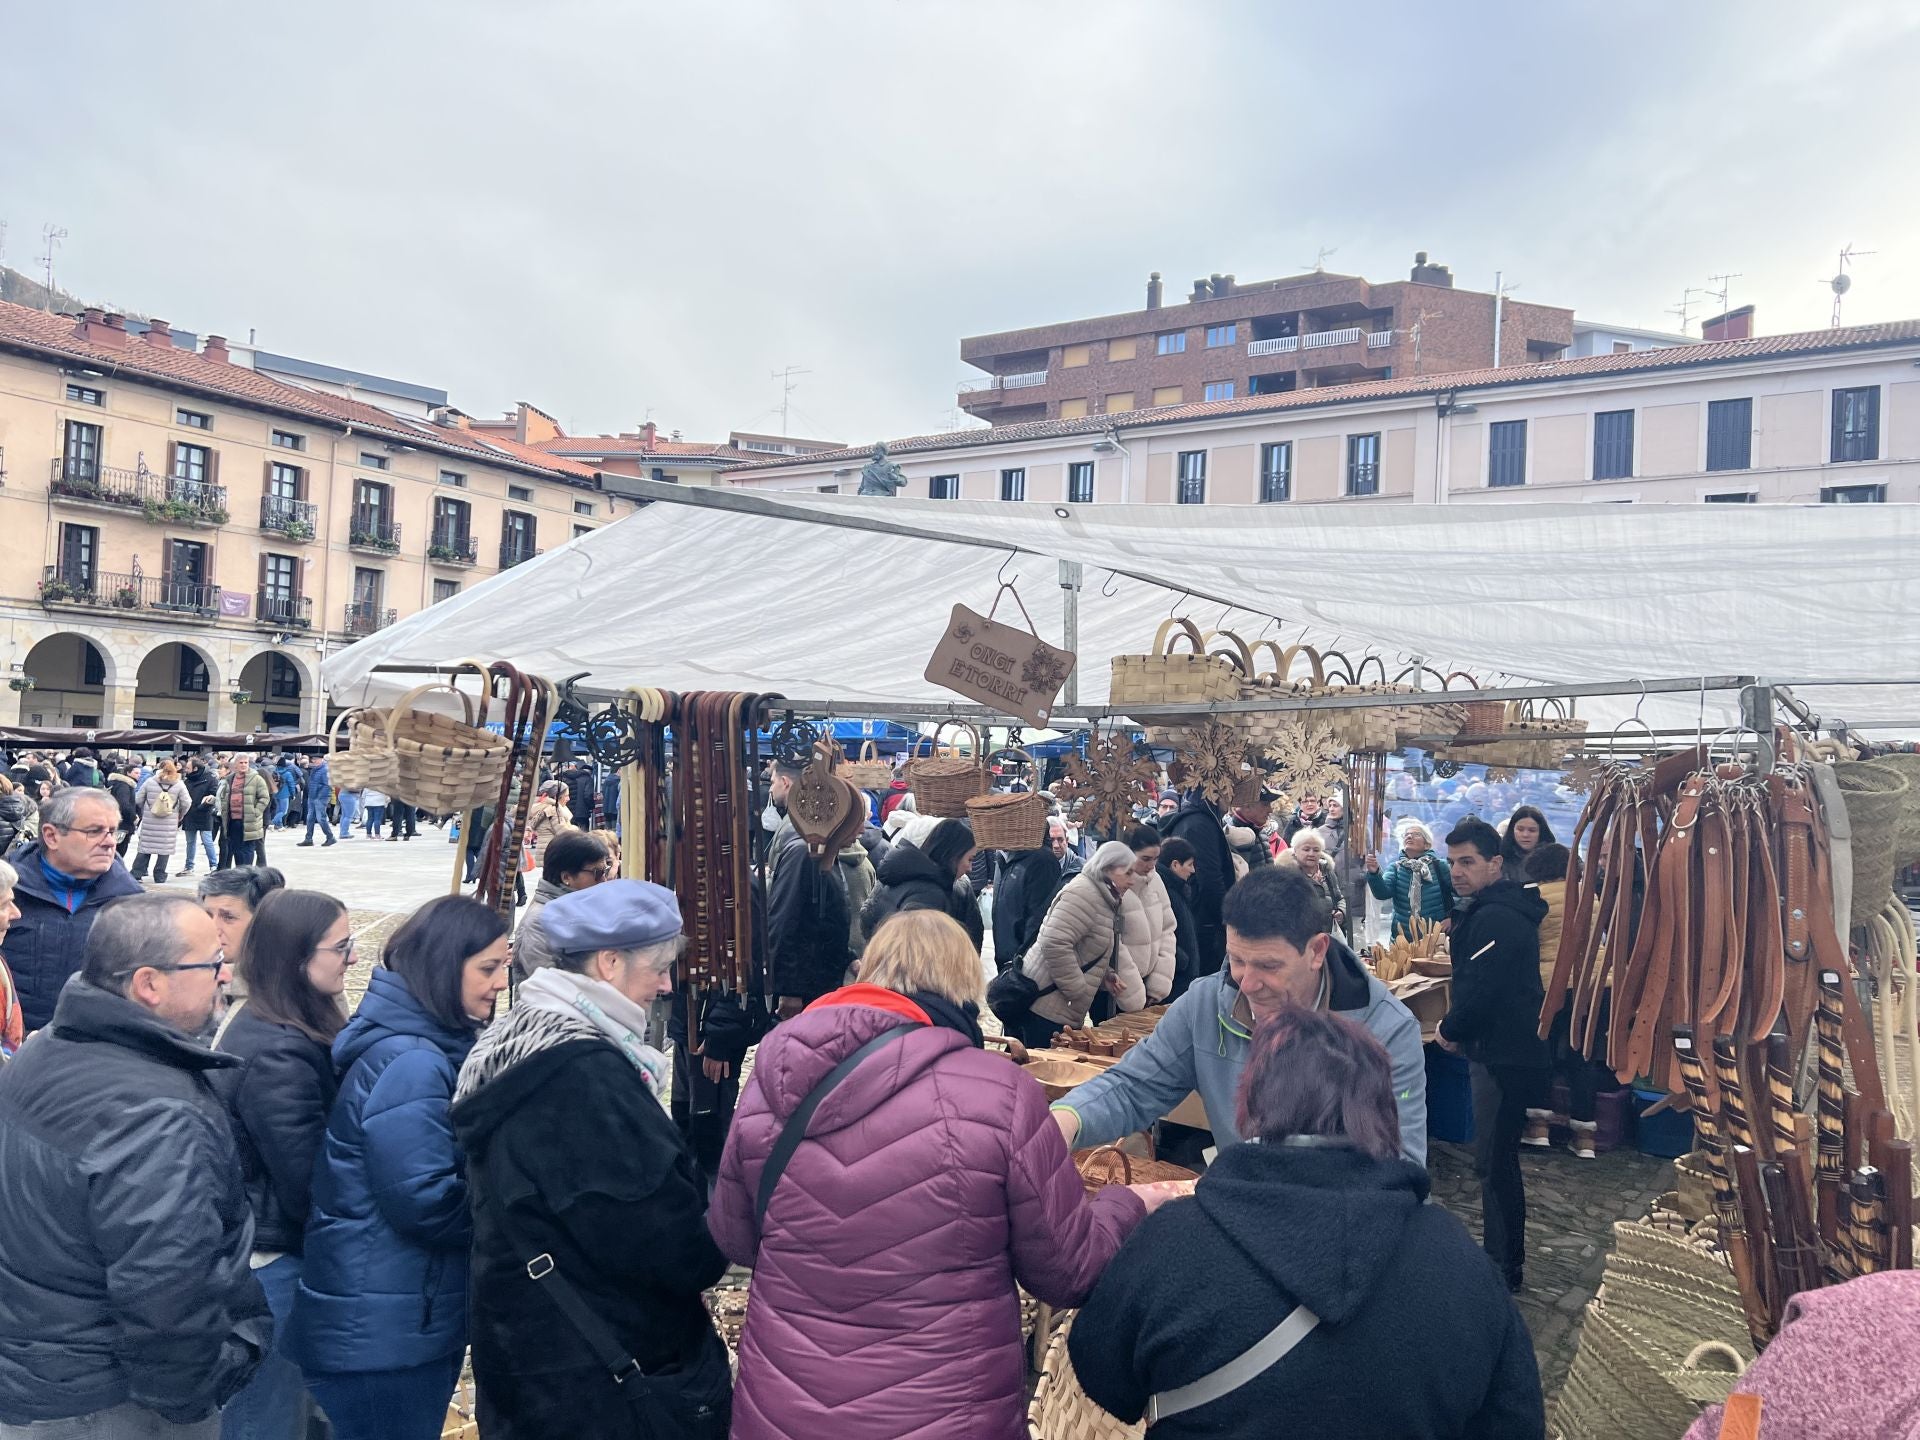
x=191 y=531
x=1230 y=341
x=1827 y=416
x=645 y=452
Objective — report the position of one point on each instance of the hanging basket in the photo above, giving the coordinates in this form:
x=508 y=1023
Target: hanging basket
x=370 y=762
x=945 y=780
x=1168 y=677
x=1482 y=719
x=1906 y=844
x=446 y=766
x=869 y=772
x=1876 y=807
x=1364 y=728
x=1006 y=822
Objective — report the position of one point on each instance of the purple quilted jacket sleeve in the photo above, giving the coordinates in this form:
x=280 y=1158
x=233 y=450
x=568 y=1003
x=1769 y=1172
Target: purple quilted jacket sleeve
x=1062 y=1240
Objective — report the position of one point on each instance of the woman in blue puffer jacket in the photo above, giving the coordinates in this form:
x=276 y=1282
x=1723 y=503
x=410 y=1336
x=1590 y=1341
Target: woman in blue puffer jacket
x=379 y=1323
x=1418 y=883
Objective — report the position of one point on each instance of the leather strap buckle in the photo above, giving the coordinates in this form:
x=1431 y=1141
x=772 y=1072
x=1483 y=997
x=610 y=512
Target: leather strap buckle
x=626 y=1372
x=540 y=1267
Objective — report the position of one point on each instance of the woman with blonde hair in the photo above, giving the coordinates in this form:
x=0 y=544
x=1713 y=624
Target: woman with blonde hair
x=889 y=1181
x=162 y=802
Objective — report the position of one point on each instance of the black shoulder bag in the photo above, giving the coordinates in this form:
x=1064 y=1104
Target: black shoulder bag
x=1011 y=993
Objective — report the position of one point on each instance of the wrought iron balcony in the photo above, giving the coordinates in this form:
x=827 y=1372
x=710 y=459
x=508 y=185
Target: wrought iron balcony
x=453 y=547
x=295 y=519
x=111 y=590
x=364 y=618
x=280 y=611
x=374 y=530
x=163 y=499
x=512 y=554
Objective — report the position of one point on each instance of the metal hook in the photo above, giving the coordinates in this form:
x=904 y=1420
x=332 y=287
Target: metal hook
x=1185 y=595
x=1001 y=578
x=1109 y=590
x=1221 y=623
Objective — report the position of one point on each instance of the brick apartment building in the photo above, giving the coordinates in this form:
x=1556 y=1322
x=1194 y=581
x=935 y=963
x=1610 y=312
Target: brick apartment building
x=1228 y=341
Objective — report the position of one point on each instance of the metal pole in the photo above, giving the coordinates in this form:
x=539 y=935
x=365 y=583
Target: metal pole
x=1756 y=713
x=1070 y=625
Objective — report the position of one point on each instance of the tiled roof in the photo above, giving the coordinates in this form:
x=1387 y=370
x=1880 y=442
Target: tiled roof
x=53 y=337
x=634 y=445
x=1678 y=357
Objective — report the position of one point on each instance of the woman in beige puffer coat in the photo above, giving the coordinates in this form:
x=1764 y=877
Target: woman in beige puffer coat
x=1080 y=946
x=1150 y=940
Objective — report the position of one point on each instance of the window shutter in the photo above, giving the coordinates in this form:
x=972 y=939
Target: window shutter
x=266 y=478
x=173 y=457
x=213 y=467
x=1870 y=423
x=1837 y=448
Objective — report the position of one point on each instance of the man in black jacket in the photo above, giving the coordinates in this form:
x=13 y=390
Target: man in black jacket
x=124 y=1227
x=1494 y=1020
x=807 y=925
x=1197 y=822
x=1024 y=890
x=573 y=1163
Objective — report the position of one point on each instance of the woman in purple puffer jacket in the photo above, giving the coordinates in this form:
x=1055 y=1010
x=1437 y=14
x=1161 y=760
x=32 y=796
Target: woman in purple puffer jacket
x=930 y=1180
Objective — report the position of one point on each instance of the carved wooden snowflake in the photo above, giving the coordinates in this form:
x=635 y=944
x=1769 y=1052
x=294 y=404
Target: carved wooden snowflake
x=1215 y=761
x=1305 y=760
x=1046 y=670
x=1581 y=774
x=1108 y=783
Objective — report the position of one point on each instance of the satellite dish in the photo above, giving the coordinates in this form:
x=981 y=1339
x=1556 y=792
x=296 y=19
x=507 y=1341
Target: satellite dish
x=1841 y=283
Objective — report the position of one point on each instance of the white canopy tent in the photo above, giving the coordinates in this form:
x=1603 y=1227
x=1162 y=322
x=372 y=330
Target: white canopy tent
x=730 y=590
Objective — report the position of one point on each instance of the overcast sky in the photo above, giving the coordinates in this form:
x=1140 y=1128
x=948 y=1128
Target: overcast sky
x=616 y=209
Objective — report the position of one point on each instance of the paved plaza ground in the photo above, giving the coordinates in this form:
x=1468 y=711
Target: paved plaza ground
x=1571 y=1204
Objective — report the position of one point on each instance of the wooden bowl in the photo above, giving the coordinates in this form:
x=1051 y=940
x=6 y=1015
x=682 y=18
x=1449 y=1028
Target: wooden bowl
x=1439 y=969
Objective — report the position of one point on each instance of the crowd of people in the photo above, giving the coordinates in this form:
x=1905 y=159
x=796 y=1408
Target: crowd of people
x=230 y=1199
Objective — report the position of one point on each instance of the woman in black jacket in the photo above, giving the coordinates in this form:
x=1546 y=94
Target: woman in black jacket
x=1321 y=1216
x=929 y=876
x=1176 y=865
x=294 y=960
x=200 y=822
x=1527 y=830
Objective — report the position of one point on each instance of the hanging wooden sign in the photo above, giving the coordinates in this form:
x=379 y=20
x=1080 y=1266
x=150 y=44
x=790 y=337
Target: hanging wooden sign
x=998 y=664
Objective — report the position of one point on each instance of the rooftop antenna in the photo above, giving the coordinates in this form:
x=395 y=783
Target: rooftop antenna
x=1726 y=287
x=1841 y=281
x=1500 y=293
x=787 y=386
x=1320 y=258
x=52 y=234
x=1418 y=321
x=1684 y=310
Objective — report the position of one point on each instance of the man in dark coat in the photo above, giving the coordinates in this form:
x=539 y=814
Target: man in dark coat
x=119 y=784
x=1176 y=873
x=1197 y=822
x=807 y=925
x=124 y=1228
x=1494 y=1020
x=1023 y=892
x=571 y=1157
x=200 y=821
x=66 y=876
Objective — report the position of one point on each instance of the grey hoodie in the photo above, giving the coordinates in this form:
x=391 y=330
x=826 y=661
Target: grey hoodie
x=1201 y=1045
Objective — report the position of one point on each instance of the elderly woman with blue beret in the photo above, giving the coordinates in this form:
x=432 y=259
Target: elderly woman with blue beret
x=590 y=1243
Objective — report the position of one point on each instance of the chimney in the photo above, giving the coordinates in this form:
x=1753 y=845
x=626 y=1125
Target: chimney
x=1427 y=274
x=160 y=333
x=1218 y=285
x=1734 y=325
x=216 y=350
x=648 y=432
x=1227 y=280
x=1200 y=292
x=1153 y=291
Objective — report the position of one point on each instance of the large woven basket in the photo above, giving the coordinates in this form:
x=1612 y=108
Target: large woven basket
x=370 y=760
x=1006 y=822
x=447 y=766
x=1110 y=1165
x=1169 y=677
x=1876 y=807
x=944 y=781
x=1906 y=845
x=1060 y=1409
x=869 y=772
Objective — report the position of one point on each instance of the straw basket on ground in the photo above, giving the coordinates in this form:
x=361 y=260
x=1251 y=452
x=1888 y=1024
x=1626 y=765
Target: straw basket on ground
x=1061 y=1410
x=1876 y=808
x=945 y=780
x=446 y=766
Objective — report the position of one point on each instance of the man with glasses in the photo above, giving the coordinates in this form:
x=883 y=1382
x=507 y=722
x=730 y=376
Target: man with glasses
x=66 y=874
x=124 y=1228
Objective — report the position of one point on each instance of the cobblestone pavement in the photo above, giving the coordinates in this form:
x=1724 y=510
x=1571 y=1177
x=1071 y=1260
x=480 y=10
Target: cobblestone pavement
x=1571 y=1207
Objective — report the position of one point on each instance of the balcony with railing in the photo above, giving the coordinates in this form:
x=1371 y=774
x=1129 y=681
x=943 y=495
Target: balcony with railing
x=1279 y=345
x=514 y=553
x=986 y=392
x=366 y=618
x=1324 y=339
x=295 y=519
x=163 y=499
x=453 y=547
x=1379 y=339
x=374 y=531
x=278 y=610
x=110 y=590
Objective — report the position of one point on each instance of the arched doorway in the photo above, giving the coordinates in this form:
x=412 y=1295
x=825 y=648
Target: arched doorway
x=175 y=688
x=70 y=677
x=276 y=686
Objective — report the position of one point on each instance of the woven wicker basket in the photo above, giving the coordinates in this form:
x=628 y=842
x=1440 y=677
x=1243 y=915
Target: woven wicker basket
x=944 y=781
x=1479 y=717
x=370 y=760
x=1906 y=845
x=869 y=772
x=1167 y=677
x=1876 y=807
x=1006 y=822
x=446 y=766
x=1060 y=1409
x=1110 y=1165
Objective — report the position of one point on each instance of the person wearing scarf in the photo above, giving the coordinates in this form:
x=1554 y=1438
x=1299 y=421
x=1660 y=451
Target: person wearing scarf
x=561 y=1112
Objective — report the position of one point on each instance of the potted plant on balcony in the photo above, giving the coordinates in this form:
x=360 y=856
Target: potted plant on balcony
x=296 y=530
x=56 y=589
x=127 y=598
x=241 y=695
x=20 y=683
x=437 y=551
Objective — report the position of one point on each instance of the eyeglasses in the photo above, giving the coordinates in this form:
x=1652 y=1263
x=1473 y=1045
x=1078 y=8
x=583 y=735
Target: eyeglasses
x=219 y=962
x=92 y=832
x=344 y=949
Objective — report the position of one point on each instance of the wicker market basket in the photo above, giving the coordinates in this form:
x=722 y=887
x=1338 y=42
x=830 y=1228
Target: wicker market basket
x=1110 y=1165
x=1876 y=807
x=1906 y=847
x=369 y=759
x=945 y=780
x=1061 y=1410
x=1169 y=677
x=1006 y=822
x=869 y=772
x=445 y=765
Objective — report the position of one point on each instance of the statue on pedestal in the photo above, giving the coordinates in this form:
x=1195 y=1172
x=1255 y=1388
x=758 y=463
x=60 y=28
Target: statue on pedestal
x=881 y=476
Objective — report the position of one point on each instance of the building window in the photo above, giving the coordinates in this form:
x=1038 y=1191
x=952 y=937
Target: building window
x=943 y=487
x=522 y=493
x=1733 y=497
x=79 y=555
x=445 y=590
x=1507 y=453
x=93 y=668
x=580 y=530
x=1013 y=484
x=283 y=678
x=583 y=507
x=280 y=572
x=1073 y=409
x=1276 y=472
x=451 y=526
x=655 y=474
x=1080 y=483
x=193 y=419
x=287 y=440
x=1219 y=390
x=80 y=455
x=1363 y=464
x=1613 y=444
x=1168 y=395
x=1072 y=357
x=1729 y=434
x=371 y=461
x=516 y=538
x=1123 y=349
x=193 y=673
x=373 y=508
x=283 y=481
x=1193 y=477
x=1218 y=335
x=192 y=464
x=1174 y=344
x=1856 y=424
x=1118 y=403
x=1853 y=494
x=86 y=395
x=453 y=479
x=1623 y=347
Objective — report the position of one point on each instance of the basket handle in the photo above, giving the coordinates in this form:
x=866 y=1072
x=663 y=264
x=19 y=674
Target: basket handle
x=1472 y=684
x=913 y=748
x=405 y=702
x=1314 y=659
x=967 y=726
x=1339 y=667
x=1419 y=673
x=1359 y=672
x=1106 y=1155
x=869 y=752
x=1715 y=1347
x=1272 y=647
x=1225 y=645
x=1163 y=637
x=382 y=718
x=1025 y=758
